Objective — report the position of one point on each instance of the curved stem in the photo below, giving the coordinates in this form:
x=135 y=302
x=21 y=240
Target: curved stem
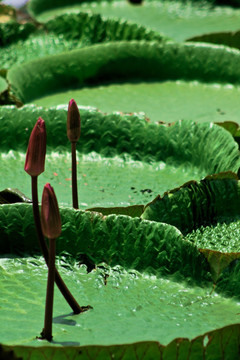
x=60 y=283
x=74 y=177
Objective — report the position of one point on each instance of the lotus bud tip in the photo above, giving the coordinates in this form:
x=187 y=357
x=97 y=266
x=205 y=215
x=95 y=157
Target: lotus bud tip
x=36 y=151
x=51 y=220
x=73 y=121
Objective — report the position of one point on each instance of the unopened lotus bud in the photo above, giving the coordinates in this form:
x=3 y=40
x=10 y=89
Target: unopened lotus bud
x=36 y=151
x=51 y=220
x=73 y=122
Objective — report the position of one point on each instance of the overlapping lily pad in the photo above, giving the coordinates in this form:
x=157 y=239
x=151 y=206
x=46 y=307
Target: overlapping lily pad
x=177 y=19
x=116 y=240
x=167 y=81
x=142 y=275
x=157 y=252
x=215 y=346
x=208 y=213
x=28 y=41
x=129 y=165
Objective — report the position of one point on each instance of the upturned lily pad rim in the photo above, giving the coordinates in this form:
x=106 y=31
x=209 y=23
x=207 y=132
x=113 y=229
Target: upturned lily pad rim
x=203 y=197
x=182 y=140
x=172 y=348
x=125 y=60
x=36 y=7
x=206 y=346
x=180 y=340
x=72 y=30
x=202 y=203
x=218 y=260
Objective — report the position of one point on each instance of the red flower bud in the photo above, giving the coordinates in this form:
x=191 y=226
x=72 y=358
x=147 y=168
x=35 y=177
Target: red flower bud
x=73 y=122
x=35 y=158
x=51 y=220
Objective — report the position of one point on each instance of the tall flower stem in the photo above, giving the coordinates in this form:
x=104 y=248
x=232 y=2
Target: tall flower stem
x=60 y=283
x=47 y=331
x=74 y=177
x=73 y=134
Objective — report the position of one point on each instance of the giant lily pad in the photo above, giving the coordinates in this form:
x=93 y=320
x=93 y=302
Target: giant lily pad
x=167 y=81
x=213 y=198
x=176 y=19
x=148 y=294
x=24 y=42
x=134 y=259
x=141 y=276
x=129 y=165
x=208 y=213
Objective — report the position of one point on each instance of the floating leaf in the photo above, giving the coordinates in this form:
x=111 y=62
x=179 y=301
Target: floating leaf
x=135 y=69
x=197 y=203
x=130 y=242
x=179 y=20
x=25 y=42
x=124 y=60
x=148 y=158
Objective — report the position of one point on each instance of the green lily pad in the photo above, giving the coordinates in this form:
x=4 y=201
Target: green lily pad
x=137 y=76
x=176 y=19
x=208 y=214
x=116 y=169
x=125 y=293
x=150 y=247
x=115 y=240
x=223 y=236
x=25 y=42
x=144 y=276
x=160 y=101
x=215 y=345
x=135 y=303
x=213 y=199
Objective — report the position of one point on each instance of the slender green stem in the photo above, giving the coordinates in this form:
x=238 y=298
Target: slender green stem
x=60 y=283
x=74 y=177
x=47 y=331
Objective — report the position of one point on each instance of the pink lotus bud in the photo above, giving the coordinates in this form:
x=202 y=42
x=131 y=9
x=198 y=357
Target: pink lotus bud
x=73 y=122
x=51 y=221
x=35 y=158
